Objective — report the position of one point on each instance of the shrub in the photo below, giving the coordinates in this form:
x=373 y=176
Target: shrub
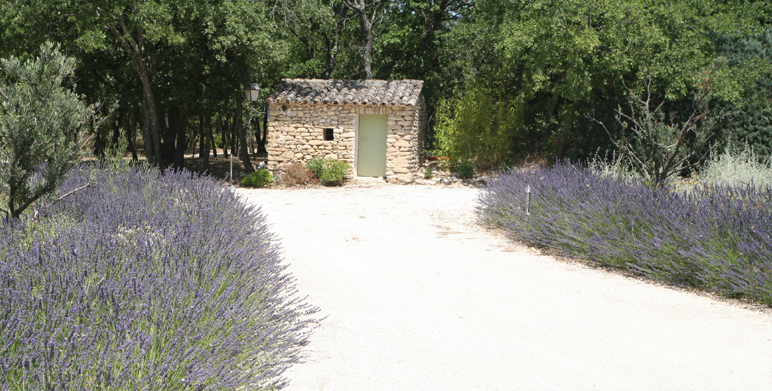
x=334 y=171
x=147 y=281
x=655 y=146
x=481 y=125
x=717 y=238
x=316 y=165
x=615 y=166
x=296 y=174
x=258 y=178
x=329 y=171
x=465 y=170
x=735 y=167
x=428 y=173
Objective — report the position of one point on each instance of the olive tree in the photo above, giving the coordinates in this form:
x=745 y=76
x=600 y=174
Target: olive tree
x=40 y=119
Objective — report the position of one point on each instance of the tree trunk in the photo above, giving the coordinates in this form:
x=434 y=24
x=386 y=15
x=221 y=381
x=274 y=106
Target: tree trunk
x=130 y=137
x=99 y=147
x=205 y=136
x=360 y=7
x=224 y=136
x=169 y=127
x=147 y=138
x=232 y=133
x=367 y=30
x=341 y=12
x=431 y=23
x=244 y=154
x=262 y=135
x=118 y=125
x=564 y=132
x=546 y=136
x=153 y=153
x=134 y=46
x=214 y=144
x=182 y=128
x=251 y=137
x=201 y=136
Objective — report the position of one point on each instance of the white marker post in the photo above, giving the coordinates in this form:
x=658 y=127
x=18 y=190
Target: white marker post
x=528 y=200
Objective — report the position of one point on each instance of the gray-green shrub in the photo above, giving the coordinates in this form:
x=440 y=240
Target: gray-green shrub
x=736 y=167
x=40 y=119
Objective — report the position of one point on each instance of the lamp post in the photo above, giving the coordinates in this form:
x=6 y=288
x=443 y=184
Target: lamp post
x=252 y=91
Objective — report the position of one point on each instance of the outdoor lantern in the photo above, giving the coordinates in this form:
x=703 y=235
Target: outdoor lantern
x=252 y=92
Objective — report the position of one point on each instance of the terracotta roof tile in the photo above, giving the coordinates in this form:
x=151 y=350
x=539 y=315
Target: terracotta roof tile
x=351 y=92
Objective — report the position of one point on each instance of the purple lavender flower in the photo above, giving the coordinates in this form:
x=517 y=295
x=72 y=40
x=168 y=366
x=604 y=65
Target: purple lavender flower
x=146 y=281
x=715 y=238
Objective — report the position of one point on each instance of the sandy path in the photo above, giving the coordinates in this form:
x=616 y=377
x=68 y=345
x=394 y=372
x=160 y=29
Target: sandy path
x=417 y=297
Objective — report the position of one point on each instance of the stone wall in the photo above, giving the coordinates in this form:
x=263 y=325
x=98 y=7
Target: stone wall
x=296 y=134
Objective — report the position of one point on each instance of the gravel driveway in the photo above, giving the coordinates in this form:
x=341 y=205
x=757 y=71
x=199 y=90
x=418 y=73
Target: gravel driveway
x=417 y=297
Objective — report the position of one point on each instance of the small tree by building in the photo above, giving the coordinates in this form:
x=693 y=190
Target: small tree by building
x=657 y=146
x=40 y=119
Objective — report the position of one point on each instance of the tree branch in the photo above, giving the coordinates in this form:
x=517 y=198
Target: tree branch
x=73 y=191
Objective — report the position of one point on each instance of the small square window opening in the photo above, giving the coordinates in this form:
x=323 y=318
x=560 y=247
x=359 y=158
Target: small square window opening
x=328 y=134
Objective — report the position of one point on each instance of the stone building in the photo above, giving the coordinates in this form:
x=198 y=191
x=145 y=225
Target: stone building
x=377 y=126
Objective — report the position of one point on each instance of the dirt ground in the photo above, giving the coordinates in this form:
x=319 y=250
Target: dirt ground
x=219 y=167
x=417 y=296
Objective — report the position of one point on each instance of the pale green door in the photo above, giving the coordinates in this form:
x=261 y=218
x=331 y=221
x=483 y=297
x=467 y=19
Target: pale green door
x=371 y=151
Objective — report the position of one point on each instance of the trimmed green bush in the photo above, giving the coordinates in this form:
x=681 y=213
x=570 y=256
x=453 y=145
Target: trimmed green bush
x=329 y=171
x=259 y=178
x=316 y=165
x=465 y=170
x=334 y=171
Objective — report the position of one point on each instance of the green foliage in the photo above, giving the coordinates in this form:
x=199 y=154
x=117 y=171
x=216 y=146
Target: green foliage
x=503 y=79
x=559 y=60
x=316 y=165
x=480 y=127
x=258 y=178
x=334 y=171
x=747 y=60
x=465 y=170
x=40 y=119
x=428 y=173
x=329 y=171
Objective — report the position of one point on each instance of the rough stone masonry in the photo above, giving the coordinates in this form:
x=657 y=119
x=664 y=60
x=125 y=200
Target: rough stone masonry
x=303 y=113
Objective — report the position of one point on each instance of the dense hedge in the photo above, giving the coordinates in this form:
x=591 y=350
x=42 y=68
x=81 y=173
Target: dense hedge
x=146 y=281
x=713 y=237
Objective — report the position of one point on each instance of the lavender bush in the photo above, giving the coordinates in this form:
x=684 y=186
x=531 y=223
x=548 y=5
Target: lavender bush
x=146 y=282
x=713 y=237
